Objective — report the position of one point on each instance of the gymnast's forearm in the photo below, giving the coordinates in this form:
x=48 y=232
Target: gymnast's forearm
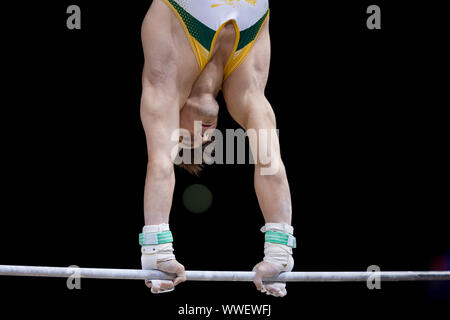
x=159 y=119
x=158 y=193
x=271 y=183
x=274 y=195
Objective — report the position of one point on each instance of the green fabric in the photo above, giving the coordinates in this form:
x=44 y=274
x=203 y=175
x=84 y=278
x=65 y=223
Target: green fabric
x=147 y=239
x=281 y=238
x=205 y=35
x=202 y=33
x=249 y=34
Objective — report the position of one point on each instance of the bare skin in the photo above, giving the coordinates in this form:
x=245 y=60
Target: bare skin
x=170 y=71
x=174 y=95
x=201 y=104
x=246 y=101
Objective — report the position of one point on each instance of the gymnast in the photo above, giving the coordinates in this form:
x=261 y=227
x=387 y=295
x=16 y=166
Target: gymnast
x=192 y=50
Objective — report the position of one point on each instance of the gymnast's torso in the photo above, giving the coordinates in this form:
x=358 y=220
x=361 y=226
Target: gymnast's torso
x=202 y=20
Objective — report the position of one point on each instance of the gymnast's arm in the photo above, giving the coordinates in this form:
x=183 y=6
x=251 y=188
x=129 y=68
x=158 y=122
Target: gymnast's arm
x=246 y=101
x=170 y=69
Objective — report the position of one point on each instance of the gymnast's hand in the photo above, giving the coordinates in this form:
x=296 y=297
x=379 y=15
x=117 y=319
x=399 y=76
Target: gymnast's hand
x=266 y=269
x=163 y=286
x=161 y=257
x=277 y=258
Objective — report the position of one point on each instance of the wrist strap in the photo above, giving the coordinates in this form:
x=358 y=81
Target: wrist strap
x=281 y=238
x=154 y=238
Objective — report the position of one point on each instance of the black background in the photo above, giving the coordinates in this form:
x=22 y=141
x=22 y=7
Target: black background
x=361 y=122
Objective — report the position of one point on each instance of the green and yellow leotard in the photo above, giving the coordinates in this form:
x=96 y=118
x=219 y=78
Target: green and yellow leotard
x=202 y=21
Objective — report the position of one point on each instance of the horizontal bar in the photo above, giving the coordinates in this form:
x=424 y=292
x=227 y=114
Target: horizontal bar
x=134 y=274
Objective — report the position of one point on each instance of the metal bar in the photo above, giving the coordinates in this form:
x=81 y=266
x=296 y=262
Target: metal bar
x=31 y=271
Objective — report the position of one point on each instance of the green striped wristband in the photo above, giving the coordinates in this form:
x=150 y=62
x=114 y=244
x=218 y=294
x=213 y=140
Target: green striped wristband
x=281 y=238
x=153 y=238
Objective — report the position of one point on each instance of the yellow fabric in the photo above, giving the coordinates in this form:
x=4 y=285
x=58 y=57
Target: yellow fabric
x=202 y=55
x=199 y=51
x=238 y=57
